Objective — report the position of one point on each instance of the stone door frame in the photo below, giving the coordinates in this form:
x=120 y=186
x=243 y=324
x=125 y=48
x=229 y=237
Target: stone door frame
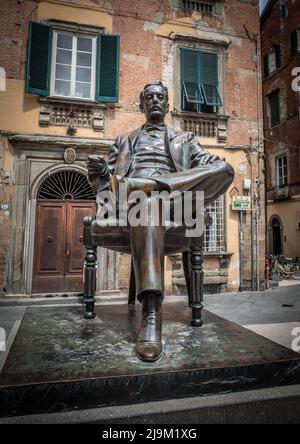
x=33 y=164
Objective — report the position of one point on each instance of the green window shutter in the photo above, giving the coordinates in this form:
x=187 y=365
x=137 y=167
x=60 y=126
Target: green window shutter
x=190 y=77
x=107 y=85
x=275 y=108
x=210 y=79
x=39 y=59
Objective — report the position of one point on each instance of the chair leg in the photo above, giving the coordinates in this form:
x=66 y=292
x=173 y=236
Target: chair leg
x=187 y=273
x=89 y=271
x=197 y=286
x=132 y=287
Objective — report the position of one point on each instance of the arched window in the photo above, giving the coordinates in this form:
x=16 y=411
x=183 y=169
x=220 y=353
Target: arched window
x=66 y=185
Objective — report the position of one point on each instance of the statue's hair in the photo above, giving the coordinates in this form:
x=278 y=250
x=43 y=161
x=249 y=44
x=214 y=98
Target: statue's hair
x=156 y=83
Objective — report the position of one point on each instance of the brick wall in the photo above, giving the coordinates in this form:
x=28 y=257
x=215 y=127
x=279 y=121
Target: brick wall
x=283 y=138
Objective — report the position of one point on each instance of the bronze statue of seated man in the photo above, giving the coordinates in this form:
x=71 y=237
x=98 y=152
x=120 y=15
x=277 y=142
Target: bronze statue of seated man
x=155 y=158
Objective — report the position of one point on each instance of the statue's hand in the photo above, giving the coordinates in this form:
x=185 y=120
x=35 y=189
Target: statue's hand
x=97 y=166
x=209 y=158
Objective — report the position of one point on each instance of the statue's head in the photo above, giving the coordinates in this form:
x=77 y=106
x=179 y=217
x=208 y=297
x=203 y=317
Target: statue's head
x=154 y=102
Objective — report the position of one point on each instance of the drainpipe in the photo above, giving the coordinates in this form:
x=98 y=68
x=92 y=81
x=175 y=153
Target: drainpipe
x=258 y=216
x=257 y=251
x=248 y=155
x=241 y=250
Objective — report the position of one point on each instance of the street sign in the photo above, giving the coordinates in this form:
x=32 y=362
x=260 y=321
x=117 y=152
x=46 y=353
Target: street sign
x=241 y=203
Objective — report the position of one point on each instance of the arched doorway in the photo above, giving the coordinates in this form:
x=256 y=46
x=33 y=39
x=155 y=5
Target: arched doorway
x=275 y=236
x=63 y=200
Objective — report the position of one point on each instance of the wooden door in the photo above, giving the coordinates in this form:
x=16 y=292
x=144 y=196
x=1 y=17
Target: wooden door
x=59 y=249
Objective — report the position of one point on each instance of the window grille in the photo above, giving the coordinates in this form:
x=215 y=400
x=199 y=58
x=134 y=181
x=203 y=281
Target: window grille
x=66 y=185
x=214 y=241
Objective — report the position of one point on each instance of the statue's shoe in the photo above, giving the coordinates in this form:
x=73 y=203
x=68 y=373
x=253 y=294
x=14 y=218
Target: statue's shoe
x=149 y=351
x=149 y=347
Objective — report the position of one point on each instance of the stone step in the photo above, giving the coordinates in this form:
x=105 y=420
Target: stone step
x=277 y=405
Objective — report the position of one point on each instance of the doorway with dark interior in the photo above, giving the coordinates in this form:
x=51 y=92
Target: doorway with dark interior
x=275 y=236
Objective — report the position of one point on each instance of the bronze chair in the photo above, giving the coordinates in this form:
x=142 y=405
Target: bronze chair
x=117 y=239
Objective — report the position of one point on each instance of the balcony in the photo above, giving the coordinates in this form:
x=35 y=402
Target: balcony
x=200 y=6
x=204 y=126
x=66 y=112
x=279 y=193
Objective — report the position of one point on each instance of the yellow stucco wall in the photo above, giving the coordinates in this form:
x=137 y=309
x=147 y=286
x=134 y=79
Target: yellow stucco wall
x=180 y=26
x=289 y=212
x=19 y=112
x=232 y=228
x=74 y=13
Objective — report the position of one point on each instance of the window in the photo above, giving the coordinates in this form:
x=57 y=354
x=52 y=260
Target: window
x=282 y=170
x=295 y=41
x=214 y=241
x=272 y=60
x=274 y=101
x=199 y=81
x=72 y=65
x=283 y=10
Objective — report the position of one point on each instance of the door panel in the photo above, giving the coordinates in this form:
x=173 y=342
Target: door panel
x=59 y=249
x=76 y=212
x=50 y=238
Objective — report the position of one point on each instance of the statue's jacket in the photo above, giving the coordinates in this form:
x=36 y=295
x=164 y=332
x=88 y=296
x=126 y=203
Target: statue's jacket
x=185 y=152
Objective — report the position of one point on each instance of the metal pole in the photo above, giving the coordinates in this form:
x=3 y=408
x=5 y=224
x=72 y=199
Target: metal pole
x=252 y=225
x=257 y=252
x=241 y=250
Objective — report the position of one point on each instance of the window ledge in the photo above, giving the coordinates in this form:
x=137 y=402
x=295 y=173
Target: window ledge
x=218 y=254
x=211 y=126
x=224 y=259
x=276 y=71
x=66 y=101
x=278 y=193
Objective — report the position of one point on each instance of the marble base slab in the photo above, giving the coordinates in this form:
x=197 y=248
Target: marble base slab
x=60 y=362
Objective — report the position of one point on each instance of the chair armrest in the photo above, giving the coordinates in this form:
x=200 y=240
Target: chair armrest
x=87 y=237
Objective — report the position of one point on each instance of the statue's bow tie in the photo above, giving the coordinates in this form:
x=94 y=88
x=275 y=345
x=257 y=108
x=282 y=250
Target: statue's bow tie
x=155 y=128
